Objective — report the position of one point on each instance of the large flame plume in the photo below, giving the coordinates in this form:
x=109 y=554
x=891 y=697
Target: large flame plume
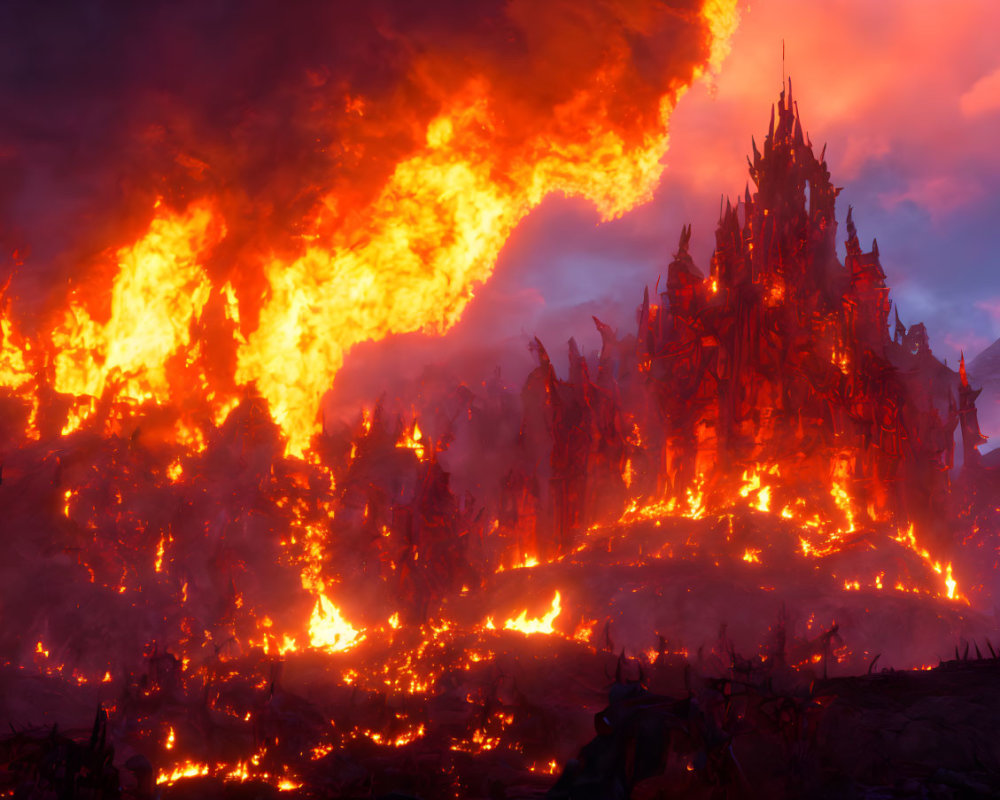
x=411 y=187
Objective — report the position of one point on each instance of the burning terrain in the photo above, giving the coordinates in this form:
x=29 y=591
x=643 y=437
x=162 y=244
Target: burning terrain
x=680 y=552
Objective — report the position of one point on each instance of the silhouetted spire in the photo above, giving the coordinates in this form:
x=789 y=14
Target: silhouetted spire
x=852 y=244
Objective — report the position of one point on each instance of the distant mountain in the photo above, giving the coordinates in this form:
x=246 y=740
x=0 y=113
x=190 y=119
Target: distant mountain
x=984 y=371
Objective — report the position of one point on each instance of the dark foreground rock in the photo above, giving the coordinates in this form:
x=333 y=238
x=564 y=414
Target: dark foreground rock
x=912 y=734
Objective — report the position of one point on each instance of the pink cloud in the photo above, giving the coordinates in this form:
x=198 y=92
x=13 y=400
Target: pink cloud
x=875 y=80
x=983 y=97
x=939 y=195
x=991 y=306
x=967 y=342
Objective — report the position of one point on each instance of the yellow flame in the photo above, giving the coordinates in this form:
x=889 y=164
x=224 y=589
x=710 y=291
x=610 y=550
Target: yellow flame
x=158 y=563
x=909 y=539
x=412 y=440
x=328 y=630
x=160 y=290
x=723 y=18
x=543 y=624
x=188 y=769
x=696 y=499
x=431 y=236
x=14 y=371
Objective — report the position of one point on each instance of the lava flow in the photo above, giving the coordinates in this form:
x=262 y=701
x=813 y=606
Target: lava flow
x=760 y=469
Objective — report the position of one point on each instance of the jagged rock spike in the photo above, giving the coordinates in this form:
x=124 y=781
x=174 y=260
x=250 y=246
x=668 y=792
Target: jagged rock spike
x=965 y=655
x=989 y=644
x=979 y=656
x=875 y=247
x=538 y=349
x=574 y=351
x=603 y=328
x=685 y=240
x=873 y=662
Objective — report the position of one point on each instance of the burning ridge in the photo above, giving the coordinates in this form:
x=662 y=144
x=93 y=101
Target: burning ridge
x=445 y=575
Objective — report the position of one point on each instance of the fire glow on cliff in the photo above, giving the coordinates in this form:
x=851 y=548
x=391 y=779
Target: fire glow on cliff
x=205 y=543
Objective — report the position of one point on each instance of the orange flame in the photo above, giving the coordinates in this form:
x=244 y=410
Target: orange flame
x=328 y=630
x=542 y=624
x=407 y=261
x=161 y=288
